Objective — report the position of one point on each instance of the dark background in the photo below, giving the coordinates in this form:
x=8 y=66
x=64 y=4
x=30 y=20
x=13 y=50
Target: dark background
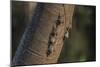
x=81 y=46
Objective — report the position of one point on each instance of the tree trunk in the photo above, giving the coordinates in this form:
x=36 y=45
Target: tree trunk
x=35 y=43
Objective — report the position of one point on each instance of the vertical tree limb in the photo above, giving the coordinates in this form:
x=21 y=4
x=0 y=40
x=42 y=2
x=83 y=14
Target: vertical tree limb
x=34 y=43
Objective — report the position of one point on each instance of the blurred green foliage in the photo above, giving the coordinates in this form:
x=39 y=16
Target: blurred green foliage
x=80 y=46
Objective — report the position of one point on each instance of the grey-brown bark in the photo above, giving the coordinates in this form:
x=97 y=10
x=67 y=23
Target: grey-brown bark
x=33 y=46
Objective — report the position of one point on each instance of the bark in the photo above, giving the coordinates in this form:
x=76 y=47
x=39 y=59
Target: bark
x=33 y=46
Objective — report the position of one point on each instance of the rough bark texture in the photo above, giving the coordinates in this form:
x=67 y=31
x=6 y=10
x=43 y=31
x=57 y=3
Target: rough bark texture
x=33 y=46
